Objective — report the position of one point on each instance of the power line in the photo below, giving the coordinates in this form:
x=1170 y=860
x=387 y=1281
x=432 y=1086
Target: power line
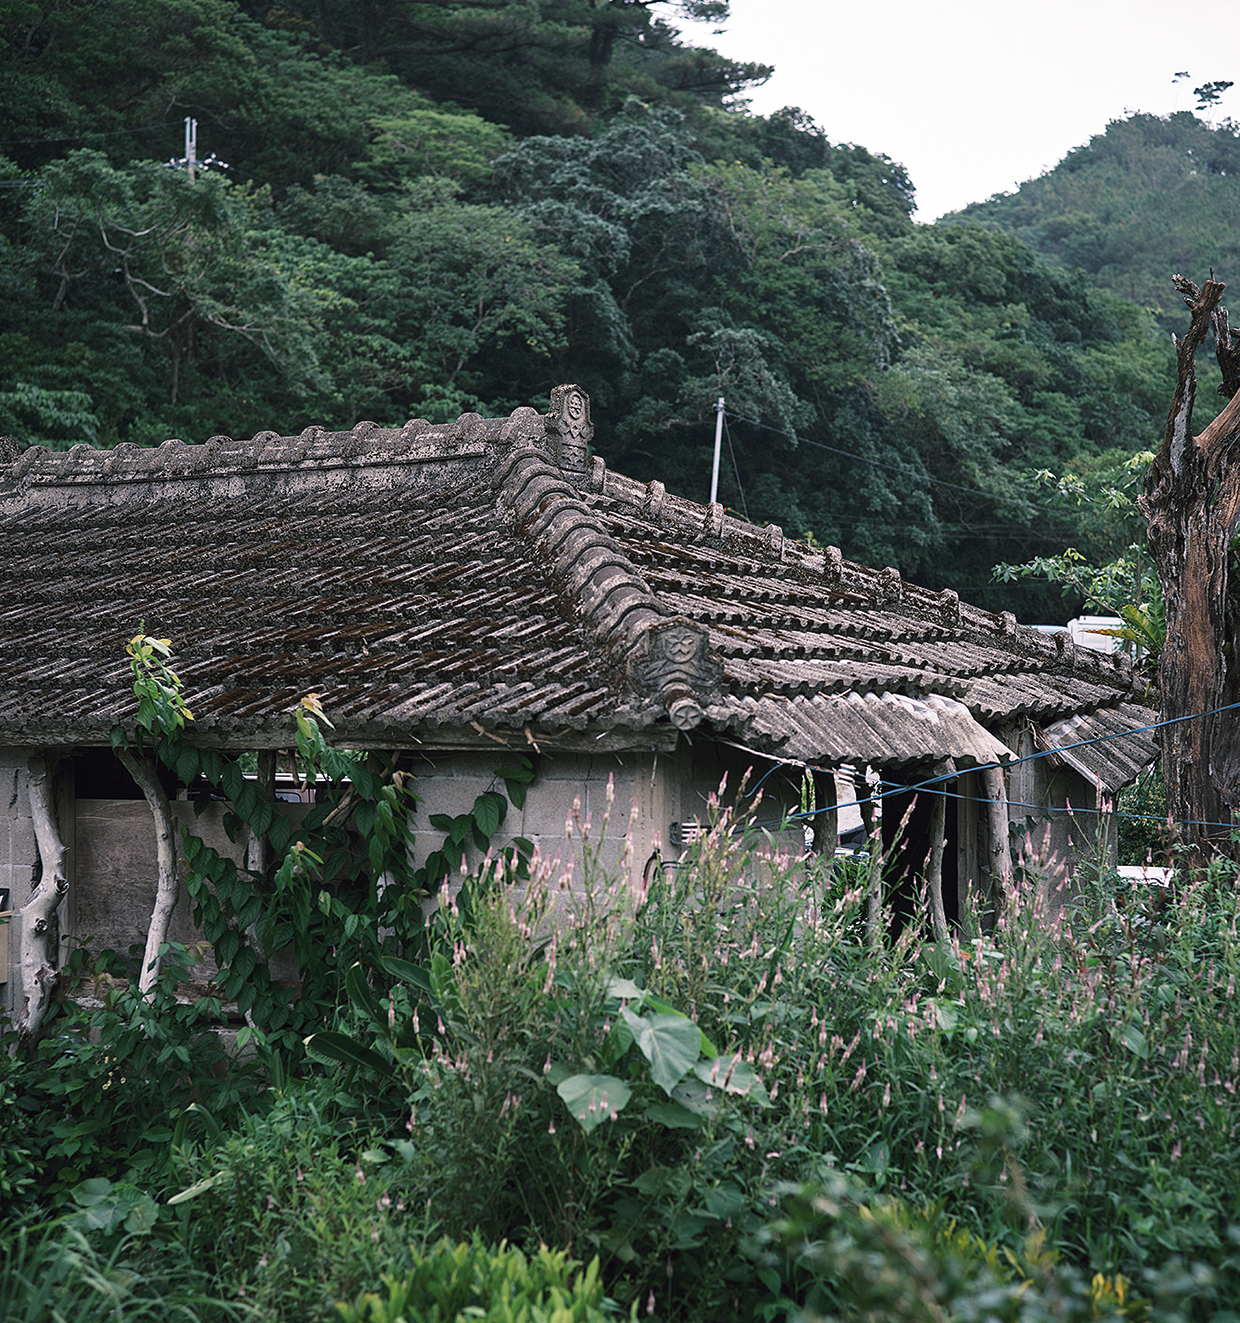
x=903 y=470
x=983 y=767
x=735 y=468
x=90 y=133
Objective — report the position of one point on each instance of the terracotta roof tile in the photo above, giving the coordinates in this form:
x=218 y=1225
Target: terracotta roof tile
x=427 y=577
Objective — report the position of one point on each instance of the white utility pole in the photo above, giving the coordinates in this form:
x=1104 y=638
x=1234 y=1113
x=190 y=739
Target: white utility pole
x=714 y=473
x=191 y=146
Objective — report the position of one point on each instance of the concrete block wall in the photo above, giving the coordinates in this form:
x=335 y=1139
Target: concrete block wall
x=449 y=783
x=697 y=770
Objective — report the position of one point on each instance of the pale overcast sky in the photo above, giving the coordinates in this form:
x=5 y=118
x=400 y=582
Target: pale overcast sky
x=976 y=96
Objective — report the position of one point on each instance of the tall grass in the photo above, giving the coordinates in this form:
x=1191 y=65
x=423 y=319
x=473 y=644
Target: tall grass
x=1060 y=1090
x=1072 y=1075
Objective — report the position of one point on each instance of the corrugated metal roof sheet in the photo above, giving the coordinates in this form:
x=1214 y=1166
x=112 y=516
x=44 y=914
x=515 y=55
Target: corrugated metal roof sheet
x=1110 y=746
x=425 y=578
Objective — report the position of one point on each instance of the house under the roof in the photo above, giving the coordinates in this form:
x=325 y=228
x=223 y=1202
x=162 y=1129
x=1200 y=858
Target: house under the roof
x=452 y=590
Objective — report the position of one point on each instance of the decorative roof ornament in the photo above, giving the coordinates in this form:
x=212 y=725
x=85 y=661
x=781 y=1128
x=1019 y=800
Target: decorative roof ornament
x=569 y=428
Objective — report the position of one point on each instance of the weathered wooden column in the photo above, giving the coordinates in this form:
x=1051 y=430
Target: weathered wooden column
x=167 y=887
x=997 y=829
x=826 y=821
x=938 y=840
x=874 y=846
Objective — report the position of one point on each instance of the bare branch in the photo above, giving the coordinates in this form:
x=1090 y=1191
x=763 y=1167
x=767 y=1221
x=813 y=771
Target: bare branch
x=1227 y=351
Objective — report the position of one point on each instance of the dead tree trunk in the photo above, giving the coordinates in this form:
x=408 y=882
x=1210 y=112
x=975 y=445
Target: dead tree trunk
x=167 y=885
x=1192 y=503
x=39 y=960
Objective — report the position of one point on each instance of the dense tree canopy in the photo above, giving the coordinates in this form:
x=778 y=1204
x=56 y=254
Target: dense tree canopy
x=430 y=207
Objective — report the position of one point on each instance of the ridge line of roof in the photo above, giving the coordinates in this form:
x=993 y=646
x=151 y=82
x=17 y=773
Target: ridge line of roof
x=658 y=656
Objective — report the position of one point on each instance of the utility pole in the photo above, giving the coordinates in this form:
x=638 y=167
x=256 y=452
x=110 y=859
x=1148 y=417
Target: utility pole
x=714 y=473
x=191 y=146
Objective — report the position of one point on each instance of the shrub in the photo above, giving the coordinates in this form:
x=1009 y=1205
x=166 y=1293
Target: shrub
x=100 y=1095
x=290 y=1210
x=57 y=1275
x=493 y=1286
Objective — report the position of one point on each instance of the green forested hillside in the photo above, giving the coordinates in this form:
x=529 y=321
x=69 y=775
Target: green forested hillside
x=433 y=207
x=1136 y=204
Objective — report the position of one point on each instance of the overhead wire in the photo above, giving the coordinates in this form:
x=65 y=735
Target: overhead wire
x=902 y=469
x=90 y=133
x=930 y=782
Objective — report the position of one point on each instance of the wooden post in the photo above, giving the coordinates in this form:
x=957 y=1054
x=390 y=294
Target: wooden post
x=874 y=846
x=826 y=821
x=968 y=866
x=256 y=850
x=938 y=840
x=997 y=829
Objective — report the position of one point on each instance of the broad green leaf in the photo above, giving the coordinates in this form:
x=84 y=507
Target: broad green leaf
x=696 y=1097
x=731 y=1073
x=360 y=993
x=187 y=764
x=279 y=832
x=658 y=1004
x=232 y=781
x=1134 y=1040
x=262 y=817
x=625 y=989
x=142 y=1216
x=330 y=1045
x=669 y=1042
x=673 y=1114
x=407 y=972
x=90 y=1192
x=593 y=1099
x=947 y=1015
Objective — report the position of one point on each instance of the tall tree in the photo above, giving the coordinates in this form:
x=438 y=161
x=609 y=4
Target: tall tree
x=1192 y=503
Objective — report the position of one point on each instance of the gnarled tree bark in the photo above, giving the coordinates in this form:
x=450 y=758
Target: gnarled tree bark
x=1192 y=503
x=38 y=962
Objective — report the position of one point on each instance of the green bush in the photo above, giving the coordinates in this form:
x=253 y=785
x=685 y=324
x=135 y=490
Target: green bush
x=634 y=1074
x=56 y=1274
x=492 y=1286
x=290 y=1210
x=101 y=1092
x=1076 y=1074
x=860 y=1257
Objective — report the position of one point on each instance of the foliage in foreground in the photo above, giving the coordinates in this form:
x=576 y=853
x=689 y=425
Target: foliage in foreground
x=676 y=1078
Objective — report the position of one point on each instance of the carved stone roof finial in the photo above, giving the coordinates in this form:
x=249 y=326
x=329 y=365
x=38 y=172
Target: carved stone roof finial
x=569 y=428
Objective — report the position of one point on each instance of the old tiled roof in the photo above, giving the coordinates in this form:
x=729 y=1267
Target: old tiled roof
x=456 y=584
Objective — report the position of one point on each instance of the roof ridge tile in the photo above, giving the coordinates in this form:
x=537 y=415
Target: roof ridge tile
x=658 y=654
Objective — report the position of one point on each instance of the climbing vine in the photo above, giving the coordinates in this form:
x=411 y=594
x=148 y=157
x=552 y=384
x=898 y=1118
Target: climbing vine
x=339 y=888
